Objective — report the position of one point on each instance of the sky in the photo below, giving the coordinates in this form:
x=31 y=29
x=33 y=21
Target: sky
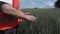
x=35 y=3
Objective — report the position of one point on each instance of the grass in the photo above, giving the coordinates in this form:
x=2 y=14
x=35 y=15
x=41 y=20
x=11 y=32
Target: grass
x=48 y=22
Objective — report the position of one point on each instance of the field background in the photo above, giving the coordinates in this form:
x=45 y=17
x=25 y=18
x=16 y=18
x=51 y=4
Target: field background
x=48 y=22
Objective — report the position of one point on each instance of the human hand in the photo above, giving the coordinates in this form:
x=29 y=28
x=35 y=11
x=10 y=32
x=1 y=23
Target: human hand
x=27 y=13
x=31 y=18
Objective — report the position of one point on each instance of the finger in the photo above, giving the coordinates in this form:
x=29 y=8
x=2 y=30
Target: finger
x=33 y=21
x=34 y=18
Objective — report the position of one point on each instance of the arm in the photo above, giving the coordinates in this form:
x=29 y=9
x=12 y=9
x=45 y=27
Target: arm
x=8 y=9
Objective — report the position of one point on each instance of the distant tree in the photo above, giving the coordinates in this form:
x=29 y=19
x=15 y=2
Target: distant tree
x=36 y=8
x=57 y=4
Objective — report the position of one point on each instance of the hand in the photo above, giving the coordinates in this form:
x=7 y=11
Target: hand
x=27 y=13
x=30 y=18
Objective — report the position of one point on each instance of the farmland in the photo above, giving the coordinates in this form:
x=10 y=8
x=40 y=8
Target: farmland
x=48 y=22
